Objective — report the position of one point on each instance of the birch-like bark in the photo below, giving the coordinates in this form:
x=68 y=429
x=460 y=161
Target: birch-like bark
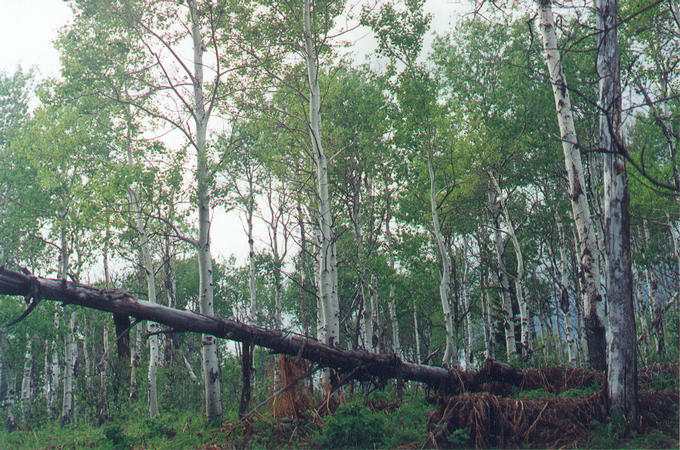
x=55 y=376
x=394 y=320
x=565 y=301
x=26 y=391
x=210 y=363
x=365 y=322
x=502 y=277
x=71 y=349
x=190 y=370
x=250 y=213
x=149 y=276
x=103 y=367
x=621 y=339
x=589 y=268
x=71 y=353
x=655 y=305
x=11 y=400
x=487 y=311
x=525 y=331
x=303 y=269
x=467 y=306
x=135 y=356
x=328 y=276
x=451 y=353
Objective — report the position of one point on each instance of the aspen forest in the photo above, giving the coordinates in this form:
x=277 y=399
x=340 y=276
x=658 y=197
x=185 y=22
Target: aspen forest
x=343 y=224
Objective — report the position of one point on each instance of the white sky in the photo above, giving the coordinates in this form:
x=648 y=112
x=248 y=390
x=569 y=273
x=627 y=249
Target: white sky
x=28 y=29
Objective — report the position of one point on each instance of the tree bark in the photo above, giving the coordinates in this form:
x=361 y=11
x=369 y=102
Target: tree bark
x=451 y=352
x=525 y=335
x=503 y=283
x=361 y=364
x=589 y=269
x=210 y=363
x=70 y=356
x=328 y=277
x=621 y=342
x=565 y=301
x=655 y=305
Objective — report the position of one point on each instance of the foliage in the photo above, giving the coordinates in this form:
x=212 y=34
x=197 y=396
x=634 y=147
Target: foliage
x=353 y=425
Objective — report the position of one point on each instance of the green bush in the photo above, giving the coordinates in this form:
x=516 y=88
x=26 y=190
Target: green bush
x=407 y=425
x=353 y=425
x=535 y=394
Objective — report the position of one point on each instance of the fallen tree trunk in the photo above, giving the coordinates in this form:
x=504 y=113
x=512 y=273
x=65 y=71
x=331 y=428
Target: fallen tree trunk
x=362 y=364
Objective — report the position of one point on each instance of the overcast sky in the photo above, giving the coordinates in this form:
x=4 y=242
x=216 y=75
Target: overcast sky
x=28 y=29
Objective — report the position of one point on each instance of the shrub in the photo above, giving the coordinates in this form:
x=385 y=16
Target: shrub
x=353 y=425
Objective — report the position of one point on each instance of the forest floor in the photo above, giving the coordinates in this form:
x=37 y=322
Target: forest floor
x=552 y=416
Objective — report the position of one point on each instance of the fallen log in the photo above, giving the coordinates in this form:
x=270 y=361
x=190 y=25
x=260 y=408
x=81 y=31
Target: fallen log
x=362 y=364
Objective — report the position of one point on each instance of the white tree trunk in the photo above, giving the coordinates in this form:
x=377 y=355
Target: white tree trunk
x=451 y=353
x=26 y=391
x=71 y=354
x=487 y=311
x=210 y=363
x=11 y=400
x=565 y=298
x=589 y=269
x=503 y=283
x=467 y=306
x=327 y=259
x=134 y=361
x=394 y=320
x=54 y=377
x=250 y=212
x=621 y=339
x=525 y=331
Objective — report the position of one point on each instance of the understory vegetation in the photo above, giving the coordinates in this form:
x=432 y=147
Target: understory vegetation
x=373 y=420
x=237 y=224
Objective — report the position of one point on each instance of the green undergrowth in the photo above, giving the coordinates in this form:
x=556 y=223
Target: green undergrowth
x=374 y=421
x=168 y=430
x=569 y=393
x=377 y=420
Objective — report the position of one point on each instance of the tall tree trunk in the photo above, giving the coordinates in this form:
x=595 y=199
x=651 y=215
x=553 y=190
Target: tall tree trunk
x=451 y=353
x=564 y=306
x=134 y=362
x=394 y=320
x=11 y=400
x=467 y=305
x=654 y=302
x=328 y=276
x=253 y=310
x=71 y=349
x=621 y=342
x=589 y=268
x=416 y=334
x=246 y=374
x=522 y=303
x=374 y=338
x=503 y=283
x=70 y=357
x=210 y=363
x=149 y=276
x=26 y=391
x=487 y=311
